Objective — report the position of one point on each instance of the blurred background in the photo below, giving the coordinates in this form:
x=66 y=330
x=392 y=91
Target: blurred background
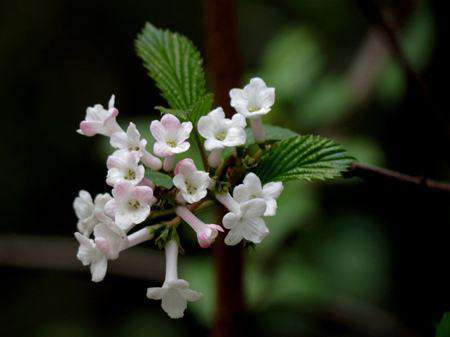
x=350 y=258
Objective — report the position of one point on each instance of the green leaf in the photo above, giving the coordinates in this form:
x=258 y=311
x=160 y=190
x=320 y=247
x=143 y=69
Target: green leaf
x=159 y=179
x=443 y=329
x=303 y=158
x=181 y=114
x=272 y=133
x=201 y=108
x=174 y=63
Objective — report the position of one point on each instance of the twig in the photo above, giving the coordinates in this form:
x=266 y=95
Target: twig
x=385 y=175
x=220 y=30
x=54 y=253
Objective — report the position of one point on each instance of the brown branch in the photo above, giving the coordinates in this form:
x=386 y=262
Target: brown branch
x=223 y=61
x=54 y=253
x=384 y=175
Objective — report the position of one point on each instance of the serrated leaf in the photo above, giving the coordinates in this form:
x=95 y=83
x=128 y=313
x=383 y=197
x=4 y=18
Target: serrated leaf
x=181 y=114
x=174 y=63
x=201 y=108
x=159 y=179
x=306 y=157
x=273 y=132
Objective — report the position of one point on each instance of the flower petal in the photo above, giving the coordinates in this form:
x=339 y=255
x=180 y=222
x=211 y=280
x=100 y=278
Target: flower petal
x=173 y=304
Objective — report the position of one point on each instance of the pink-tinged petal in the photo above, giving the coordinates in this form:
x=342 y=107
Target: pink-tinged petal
x=216 y=227
x=162 y=149
x=121 y=190
x=111 y=101
x=151 y=161
x=133 y=133
x=115 y=161
x=90 y=128
x=170 y=123
x=143 y=193
x=186 y=165
x=158 y=131
x=183 y=147
x=110 y=208
x=82 y=240
x=184 y=131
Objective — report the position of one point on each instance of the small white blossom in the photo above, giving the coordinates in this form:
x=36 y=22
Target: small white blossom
x=130 y=140
x=170 y=135
x=221 y=132
x=90 y=255
x=89 y=212
x=244 y=219
x=206 y=233
x=192 y=183
x=131 y=204
x=255 y=100
x=99 y=120
x=251 y=188
x=123 y=166
x=174 y=292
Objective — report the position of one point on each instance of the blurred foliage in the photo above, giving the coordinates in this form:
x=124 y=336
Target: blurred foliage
x=443 y=329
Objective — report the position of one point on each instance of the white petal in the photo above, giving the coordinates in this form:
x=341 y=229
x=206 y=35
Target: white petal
x=173 y=304
x=233 y=237
x=271 y=208
x=273 y=189
x=155 y=293
x=98 y=269
x=253 y=208
x=255 y=230
x=190 y=295
x=230 y=220
x=241 y=193
x=235 y=137
x=119 y=140
x=212 y=143
x=253 y=183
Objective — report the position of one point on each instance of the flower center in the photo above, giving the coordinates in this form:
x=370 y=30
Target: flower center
x=252 y=108
x=134 y=204
x=191 y=189
x=171 y=143
x=131 y=175
x=221 y=135
x=133 y=148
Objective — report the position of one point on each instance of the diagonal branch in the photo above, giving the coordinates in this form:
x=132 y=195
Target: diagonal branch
x=380 y=174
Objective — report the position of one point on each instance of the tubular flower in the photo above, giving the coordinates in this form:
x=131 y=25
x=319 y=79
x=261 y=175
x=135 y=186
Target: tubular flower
x=98 y=120
x=123 y=166
x=88 y=212
x=171 y=138
x=221 y=132
x=192 y=183
x=131 y=204
x=110 y=239
x=174 y=292
x=206 y=234
x=90 y=255
x=244 y=219
x=252 y=188
x=254 y=101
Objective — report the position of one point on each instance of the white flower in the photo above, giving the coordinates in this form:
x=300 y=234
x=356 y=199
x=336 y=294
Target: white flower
x=244 y=219
x=123 y=166
x=255 y=100
x=206 y=233
x=175 y=292
x=89 y=212
x=191 y=182
x=170 y=135
x=98 y=120
x=90 y=255
x=130 y=140
x=110 y=239
x=221 y=132
x=131 y=204
x=251 y=189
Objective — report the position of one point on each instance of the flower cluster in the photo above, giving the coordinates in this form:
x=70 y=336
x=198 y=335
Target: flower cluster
x=105 y=222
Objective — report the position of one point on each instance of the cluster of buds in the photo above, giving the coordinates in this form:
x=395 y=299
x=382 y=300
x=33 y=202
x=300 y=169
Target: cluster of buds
x=105 y=222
